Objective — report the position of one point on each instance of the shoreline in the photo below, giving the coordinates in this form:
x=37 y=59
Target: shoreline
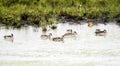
x=71 y=21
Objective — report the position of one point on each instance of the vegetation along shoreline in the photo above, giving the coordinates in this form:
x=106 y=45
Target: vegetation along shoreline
x=45 y=12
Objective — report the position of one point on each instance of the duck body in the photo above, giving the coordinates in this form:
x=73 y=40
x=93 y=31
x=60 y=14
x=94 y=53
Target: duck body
x=58 y=39
x=69 y=30
x=46 y=36
x=67 y=35
x=9 y=37
x=101 y=33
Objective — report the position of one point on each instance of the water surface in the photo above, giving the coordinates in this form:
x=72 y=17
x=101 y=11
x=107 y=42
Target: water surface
x=86 y=50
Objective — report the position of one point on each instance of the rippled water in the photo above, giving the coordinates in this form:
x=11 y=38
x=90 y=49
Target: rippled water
x=86 y=50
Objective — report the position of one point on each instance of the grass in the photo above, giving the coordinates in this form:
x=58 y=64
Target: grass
x=44 y=12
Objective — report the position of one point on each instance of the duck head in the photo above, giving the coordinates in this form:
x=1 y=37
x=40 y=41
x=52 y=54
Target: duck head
x=62 y=38
x=75 y=32
x=12 y=35
x=97 y=30
x=50 y=34
x=105 y=31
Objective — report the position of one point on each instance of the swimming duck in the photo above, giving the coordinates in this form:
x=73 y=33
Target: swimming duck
x=101 y=33
x=9 y=37
x=58 y=39
x=90 y=24
x=73 y=34
x=69 y=30
x=46 y=36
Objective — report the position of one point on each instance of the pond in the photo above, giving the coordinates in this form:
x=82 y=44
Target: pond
x=28 y=49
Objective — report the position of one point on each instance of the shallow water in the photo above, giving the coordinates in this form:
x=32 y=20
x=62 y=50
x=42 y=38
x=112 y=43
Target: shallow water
x=86 y=50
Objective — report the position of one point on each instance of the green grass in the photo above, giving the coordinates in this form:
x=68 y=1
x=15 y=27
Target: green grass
x=44 y=12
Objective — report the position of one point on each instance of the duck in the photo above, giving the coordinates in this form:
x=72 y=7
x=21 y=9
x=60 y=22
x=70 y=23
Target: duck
x=9 y=37
x=58 y=39
x=90 y=24
x=69 y=30
x=101 y=33
x=46 y=36
x=73 y=34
